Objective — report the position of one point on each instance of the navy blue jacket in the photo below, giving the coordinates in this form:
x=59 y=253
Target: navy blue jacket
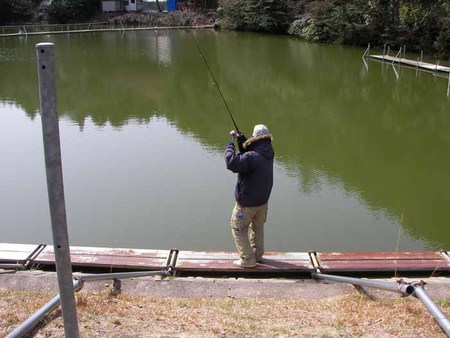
x=254 y=168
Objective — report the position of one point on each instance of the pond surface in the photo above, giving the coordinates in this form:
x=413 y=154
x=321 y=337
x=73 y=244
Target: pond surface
x=362 y=151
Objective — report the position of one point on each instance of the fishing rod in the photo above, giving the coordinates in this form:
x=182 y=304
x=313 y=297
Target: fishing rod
x=215 y=82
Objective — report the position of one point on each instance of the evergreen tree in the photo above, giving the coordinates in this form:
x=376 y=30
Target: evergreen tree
x=270 y=16
x=66 y=11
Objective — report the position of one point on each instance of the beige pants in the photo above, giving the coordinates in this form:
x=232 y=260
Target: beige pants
x=247 y=227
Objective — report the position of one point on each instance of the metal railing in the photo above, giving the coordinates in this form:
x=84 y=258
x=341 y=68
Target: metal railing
x=7 y=31
x=33 y=29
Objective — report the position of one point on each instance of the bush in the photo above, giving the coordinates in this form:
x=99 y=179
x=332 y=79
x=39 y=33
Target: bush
x=67 y=11
x=442 y=43
x=383 y=22
x=334 y=21
x=268 y=16
x=5 y=11
x=420 y=23
x=16 y=11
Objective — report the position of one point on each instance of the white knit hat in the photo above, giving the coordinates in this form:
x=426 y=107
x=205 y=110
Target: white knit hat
x=260 y=129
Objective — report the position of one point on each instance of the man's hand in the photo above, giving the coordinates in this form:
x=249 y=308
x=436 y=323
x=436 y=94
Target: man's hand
x=241 y=138
x=233 y=134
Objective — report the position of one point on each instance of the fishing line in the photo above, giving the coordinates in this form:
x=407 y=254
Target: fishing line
x=215 y=82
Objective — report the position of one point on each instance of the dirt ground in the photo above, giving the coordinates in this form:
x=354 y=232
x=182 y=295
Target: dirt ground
x=103 y=314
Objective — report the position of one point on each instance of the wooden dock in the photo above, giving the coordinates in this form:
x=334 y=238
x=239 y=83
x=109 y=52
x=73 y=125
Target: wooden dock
x=198 y=263
x=412 y=63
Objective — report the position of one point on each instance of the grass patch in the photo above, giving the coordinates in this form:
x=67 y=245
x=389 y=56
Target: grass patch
x=101 y=314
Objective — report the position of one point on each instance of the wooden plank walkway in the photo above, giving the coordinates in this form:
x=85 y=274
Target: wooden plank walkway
x=422 y=65
x=416 y=261
x=12 y=253
x=136 y=259
x=207 y=262
x=223 y=261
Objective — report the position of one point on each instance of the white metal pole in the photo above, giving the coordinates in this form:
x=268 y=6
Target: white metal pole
x=448 y=85
x=403 y=288
x=53 y=167
x=438 y=315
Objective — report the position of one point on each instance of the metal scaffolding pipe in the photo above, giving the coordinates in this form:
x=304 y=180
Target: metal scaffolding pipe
x=439 y=316
x=78 y=281
x=36 y=317
x=53 y=167
x=12 y=266
x=403 y=288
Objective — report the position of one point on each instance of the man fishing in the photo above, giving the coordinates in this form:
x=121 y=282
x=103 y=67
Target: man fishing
x=254 y=166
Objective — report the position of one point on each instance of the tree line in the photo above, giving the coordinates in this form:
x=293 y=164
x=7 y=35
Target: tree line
x=421 y=25
x=418 y=24
x=73 y=11
x=53 y=11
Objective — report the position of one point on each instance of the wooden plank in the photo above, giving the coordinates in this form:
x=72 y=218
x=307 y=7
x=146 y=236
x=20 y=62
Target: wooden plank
x=107 y=257
x=424 y=265
x=205 y=256
x=10 y=252
x=220 y=255
x=381 y=255
x=223 y=261
x=383 y=261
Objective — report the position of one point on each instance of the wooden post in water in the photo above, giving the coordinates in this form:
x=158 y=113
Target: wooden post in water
x=53 y=169
x=417 y=67
x=366 y=52
x=448 y=86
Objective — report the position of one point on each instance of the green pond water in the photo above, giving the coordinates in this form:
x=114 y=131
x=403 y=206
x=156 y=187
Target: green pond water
x=362 y=149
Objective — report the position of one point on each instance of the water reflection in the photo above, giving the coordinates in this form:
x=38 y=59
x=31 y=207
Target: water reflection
x=365 y=150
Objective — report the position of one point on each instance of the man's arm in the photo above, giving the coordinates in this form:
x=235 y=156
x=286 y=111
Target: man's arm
x=237 y=163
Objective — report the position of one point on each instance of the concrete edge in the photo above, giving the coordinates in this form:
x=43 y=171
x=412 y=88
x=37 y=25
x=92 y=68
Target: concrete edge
x=198 y=287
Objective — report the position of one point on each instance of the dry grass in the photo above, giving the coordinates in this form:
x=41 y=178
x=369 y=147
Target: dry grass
x=103 y=315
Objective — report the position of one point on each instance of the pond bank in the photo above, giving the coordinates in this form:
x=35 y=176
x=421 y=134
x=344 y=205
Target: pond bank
x=120 y=22
x=191 y=287
x=198 y=307
x=178 y=18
